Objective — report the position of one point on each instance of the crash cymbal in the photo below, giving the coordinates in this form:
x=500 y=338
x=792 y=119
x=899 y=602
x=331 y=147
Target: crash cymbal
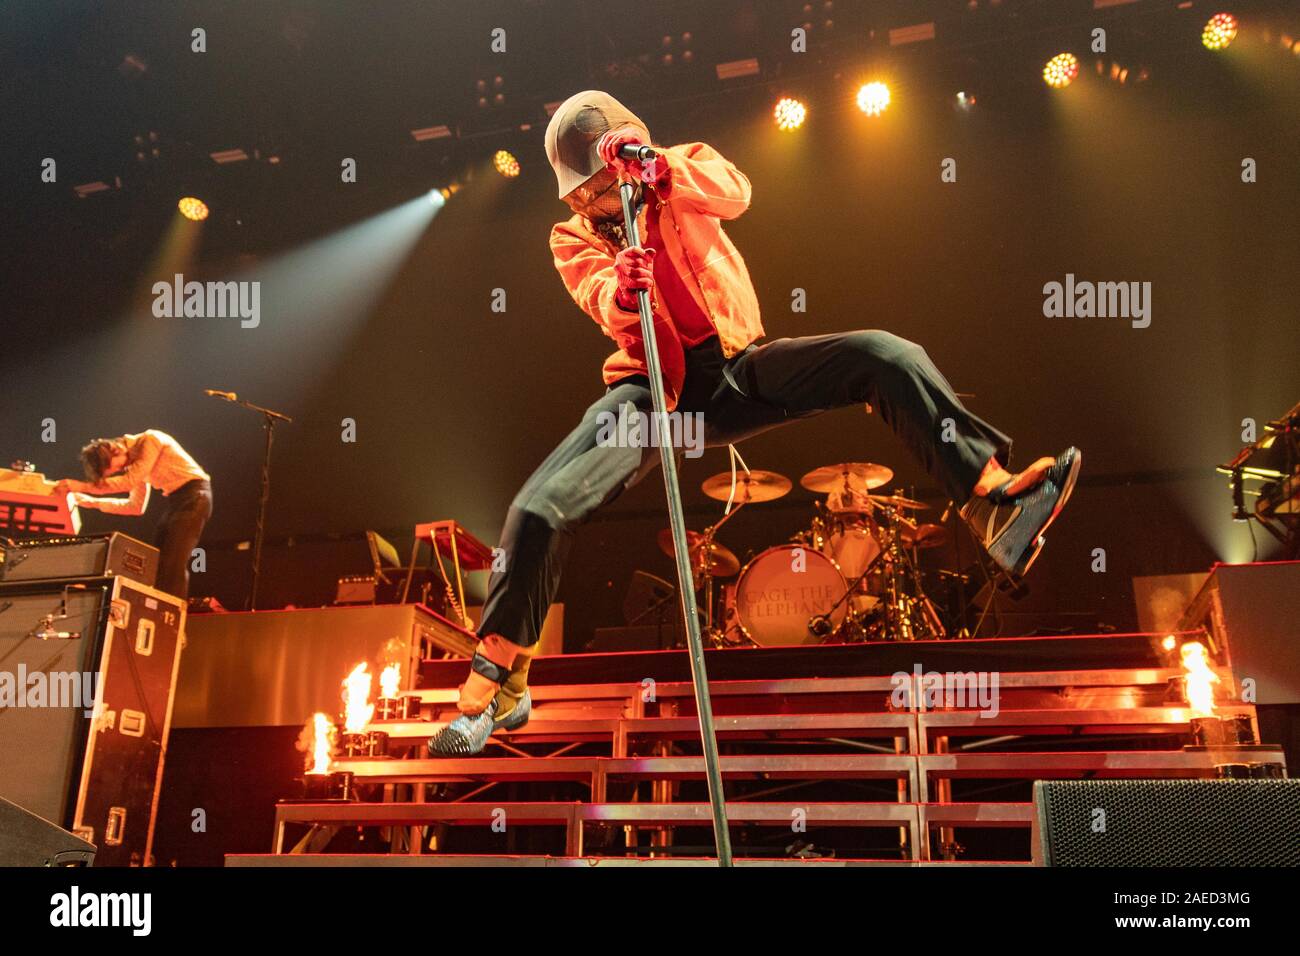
x=860 y=475
x=898 y=501
x=924 y=536
x=723 y=562
x=751 y=487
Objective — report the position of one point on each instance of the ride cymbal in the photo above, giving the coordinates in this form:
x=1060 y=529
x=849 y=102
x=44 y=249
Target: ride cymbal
x=751 y=487
x=859 y=475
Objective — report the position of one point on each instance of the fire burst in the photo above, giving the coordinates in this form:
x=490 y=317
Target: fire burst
x=357 y=709
x=322 y=743
x=389 y=680
x=1200 y=679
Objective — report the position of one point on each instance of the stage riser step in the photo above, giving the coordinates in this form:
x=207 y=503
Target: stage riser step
x=1114 y=682
x=1077 y=652
x=1111 y=763
x=919 y=731
x=295 y=861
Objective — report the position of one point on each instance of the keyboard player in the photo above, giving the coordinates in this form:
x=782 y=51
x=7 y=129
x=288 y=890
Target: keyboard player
x=136 y=464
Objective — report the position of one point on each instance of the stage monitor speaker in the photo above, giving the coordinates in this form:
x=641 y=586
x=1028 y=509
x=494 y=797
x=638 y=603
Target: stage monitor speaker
x=29 y=840
x=1166 y=823
x=87 y=681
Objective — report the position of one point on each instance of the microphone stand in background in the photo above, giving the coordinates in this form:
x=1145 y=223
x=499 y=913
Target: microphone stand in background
x=269 y=418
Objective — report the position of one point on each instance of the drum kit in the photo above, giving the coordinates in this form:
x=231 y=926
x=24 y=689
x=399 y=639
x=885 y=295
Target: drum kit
x=852 y=575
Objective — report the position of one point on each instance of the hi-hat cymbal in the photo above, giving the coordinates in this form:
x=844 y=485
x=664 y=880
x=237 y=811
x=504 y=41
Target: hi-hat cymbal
x=860 y=476
x=924 y=536
x=751 y=487
x=723 y=562
x=898 y=501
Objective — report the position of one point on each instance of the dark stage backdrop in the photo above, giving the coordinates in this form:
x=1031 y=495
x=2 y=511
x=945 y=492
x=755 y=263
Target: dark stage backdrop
x=454 y=403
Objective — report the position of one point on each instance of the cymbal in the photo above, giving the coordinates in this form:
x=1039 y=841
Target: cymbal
x=924 y=536
x=861 y=476
x=751 y=487
x=722 y=561
x=898 y=501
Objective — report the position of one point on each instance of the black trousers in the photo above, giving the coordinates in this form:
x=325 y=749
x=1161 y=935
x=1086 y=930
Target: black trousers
x=765 y=386
x=186 y=511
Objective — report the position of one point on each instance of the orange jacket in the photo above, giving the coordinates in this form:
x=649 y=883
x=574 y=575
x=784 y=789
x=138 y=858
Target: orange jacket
x=702 y=189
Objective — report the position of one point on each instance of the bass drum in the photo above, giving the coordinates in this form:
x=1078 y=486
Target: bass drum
x=782 y=590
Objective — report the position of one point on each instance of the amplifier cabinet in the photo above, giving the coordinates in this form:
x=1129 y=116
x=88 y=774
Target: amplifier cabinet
x=53 y=558
x=88 y=671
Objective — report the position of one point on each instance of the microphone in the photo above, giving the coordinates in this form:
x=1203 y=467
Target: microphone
x=635 y=151
x=224 y=396
x=47 y=634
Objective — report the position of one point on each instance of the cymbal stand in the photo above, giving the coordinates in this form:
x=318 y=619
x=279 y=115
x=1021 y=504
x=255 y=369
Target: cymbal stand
x=899 y=606
x=704 y=569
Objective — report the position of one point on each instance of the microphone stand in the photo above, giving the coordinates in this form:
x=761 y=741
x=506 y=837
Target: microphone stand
x=677 y=523
x=269 y=418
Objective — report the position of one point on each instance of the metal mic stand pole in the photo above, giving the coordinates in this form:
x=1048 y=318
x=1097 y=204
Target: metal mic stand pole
x=270 y=417
x=676 y=521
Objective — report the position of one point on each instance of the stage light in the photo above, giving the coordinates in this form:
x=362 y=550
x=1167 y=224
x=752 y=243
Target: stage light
x=1220 y=30
x=873 y=98
x=506 y=164
x=193 y=209
x=963 y=101
x=1061 y=70
x=789 y=113
x=438 y=198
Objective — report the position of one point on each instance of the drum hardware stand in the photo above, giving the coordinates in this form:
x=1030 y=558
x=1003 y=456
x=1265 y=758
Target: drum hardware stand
x=677 y=522
x=998 y=581
x=715 y=634
x=963 y=603
x=821 y=624
x=929 y=613
x=900 y=608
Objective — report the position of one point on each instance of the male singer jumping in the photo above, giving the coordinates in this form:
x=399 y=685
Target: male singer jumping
x=707 y=326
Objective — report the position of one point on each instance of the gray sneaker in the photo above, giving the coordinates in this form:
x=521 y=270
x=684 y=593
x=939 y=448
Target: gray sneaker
x=1011 y=527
